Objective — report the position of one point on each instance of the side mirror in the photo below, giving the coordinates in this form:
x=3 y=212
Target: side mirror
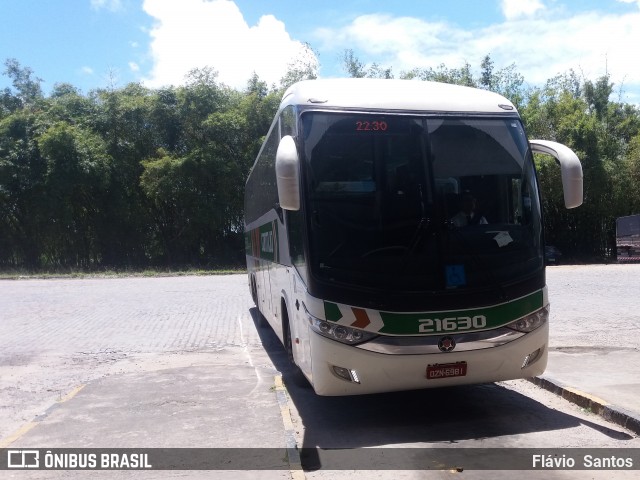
x=287 y=174
x=570 y=168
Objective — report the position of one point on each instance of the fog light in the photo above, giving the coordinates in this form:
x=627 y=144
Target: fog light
x=531 y=358
x=346 y=374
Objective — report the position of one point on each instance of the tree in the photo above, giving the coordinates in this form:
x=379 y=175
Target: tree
x=582 y=115
x=630 y=175
x=22 y=192
x=131 y=176
x=352 y=65
x=456 y=76
x=304 y=67
x=487 y=79
x=28 y=86
x=123 y=121
x=196 y=194
x=76 y=178
x=510 y=83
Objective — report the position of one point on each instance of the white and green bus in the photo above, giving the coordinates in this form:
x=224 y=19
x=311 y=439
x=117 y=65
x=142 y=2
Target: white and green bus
x=361 y=249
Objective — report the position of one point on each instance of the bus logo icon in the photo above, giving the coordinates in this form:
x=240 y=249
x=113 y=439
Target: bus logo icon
x=23 y=459
x=446 y=344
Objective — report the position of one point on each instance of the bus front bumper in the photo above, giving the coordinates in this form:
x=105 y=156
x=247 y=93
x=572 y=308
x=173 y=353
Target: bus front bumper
x=339 y=369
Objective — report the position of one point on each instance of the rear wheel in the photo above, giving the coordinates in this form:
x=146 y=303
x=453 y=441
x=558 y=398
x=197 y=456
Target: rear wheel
x=260 y=320
x=254 y=290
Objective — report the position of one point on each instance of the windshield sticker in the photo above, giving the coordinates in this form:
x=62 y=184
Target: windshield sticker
x=503 y=239
x=456 y=276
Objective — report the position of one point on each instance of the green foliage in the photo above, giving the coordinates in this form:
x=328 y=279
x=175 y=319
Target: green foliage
x=352 y=65
x=28 y=88
x=77 y=174
x=304 y=67
x=22 y=204
x=137 y=178
x=457 y=76
x=356 y=69
x=582 y=115
x=129 y=177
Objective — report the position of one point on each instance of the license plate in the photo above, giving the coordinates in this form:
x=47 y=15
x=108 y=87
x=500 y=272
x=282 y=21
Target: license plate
x=446 y=370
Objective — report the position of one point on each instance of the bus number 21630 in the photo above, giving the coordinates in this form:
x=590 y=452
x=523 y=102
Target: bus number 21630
x=452 y=324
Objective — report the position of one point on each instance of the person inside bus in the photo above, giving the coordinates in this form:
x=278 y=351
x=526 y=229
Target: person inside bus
x=468 y=214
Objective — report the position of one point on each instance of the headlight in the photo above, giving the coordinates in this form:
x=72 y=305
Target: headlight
x=340 y=333
x=531 y=322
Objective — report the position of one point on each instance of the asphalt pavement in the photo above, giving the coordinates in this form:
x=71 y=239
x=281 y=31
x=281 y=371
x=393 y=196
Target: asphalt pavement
x=594 y=350
x=601 y=375
x=605 y=382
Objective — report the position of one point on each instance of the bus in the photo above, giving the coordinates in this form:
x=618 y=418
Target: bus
x=628 y=239
x=355 y=255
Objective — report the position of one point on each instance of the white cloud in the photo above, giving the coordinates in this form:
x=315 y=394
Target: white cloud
x=637 y=2
x=134 y=67
x=87 y=71
x=541 y=46
x=399 y=42
x=199 y=33
x=513 y=9
x=394 y=35
x=111 y=5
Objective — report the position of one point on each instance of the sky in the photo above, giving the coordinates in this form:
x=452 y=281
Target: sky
x=109 y=43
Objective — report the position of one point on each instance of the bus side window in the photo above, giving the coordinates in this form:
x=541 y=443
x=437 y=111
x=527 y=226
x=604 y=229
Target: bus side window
x=288 y=122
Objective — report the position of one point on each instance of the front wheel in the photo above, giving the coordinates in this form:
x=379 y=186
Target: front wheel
x=288 y=338
x=296 y=374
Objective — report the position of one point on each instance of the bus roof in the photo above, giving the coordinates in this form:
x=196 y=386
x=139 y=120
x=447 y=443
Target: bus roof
x=403 y=95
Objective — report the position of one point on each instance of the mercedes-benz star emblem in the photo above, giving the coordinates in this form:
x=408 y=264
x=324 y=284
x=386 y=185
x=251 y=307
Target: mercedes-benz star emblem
x=446 y=344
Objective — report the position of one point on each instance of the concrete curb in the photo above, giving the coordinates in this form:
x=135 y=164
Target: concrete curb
x=611 y=413
x=295 y=463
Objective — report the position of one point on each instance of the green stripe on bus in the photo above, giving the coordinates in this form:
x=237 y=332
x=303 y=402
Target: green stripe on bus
x=263 y=241
x=496 y=316
x=478 y=318
x=332 y=312
x=267 y=241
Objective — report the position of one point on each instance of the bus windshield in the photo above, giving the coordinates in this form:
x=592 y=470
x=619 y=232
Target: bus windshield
x=414 y=203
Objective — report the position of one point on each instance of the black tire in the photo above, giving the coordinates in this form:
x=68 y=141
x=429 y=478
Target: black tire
x=295 y=374
x=254 y=290
x=260 y=321
x=286 y=332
